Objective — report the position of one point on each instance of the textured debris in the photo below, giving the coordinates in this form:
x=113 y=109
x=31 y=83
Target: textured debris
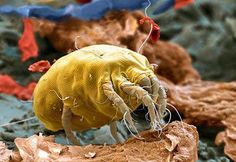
x=208 y=103
x=208 y=151
x=4 y=153
x=178 y=142
x=200 y=102
x=173 y=61
x=204 y=102
x=228 y=137
x=197 y=100
x=207 y=30
x=113 y=29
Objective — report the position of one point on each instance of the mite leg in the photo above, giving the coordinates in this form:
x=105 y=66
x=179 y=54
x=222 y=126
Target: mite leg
x=143 y=95
x=119 y=102
x=160 y=94
x=113 y=129
x=145 y=83
x=66 y=123
x=155 y=87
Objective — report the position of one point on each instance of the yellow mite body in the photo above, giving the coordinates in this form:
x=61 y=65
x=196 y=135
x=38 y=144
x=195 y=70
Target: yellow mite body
x=75 y=82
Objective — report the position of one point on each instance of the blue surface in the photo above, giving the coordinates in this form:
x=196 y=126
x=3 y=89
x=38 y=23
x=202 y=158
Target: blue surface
x=93 y=10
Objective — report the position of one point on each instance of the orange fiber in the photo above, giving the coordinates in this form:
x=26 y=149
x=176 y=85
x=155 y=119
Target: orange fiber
x=27 y=43
x=40 y=66
x=9 y=86
x=181 y=3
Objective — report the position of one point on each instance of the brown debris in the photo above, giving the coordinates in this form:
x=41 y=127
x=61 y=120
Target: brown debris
x=200 y=102
x=228 y=137
x=204 y=102
x=4 y=153
x=121 y=29
x=113 y=29
x=208 y=103
x=178 y=142
x=173 y=62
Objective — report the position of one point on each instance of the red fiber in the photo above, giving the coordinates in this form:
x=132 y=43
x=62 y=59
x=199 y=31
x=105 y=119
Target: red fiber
x=27 y=43
x=40 y=66
x=155 y=34
x=9 y=86
x=83 y=1
x=181 y=3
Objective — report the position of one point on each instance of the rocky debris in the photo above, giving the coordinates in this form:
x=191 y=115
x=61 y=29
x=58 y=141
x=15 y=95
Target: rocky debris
x=9 y=35
x=210 y=45
x=207 y=30
x=200 y=102
x=99 y=136
x=115 y=28
x=228 y=137
x=208 y=103
x=209 y=153
x=197 y=100
x=178 y=142
x=204 y=102
x=173 y=61
x=15 y=110
x=4 y=153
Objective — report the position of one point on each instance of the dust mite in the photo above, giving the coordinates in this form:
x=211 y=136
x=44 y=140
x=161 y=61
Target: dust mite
x=97 y=85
